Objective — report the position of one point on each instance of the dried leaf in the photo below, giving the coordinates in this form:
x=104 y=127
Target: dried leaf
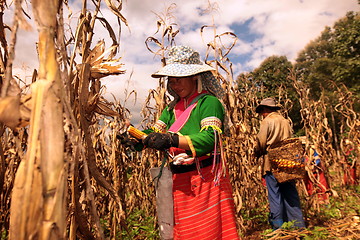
x=96 y=55
x=10 y=111
x=106 y=68
x=116 y=10
x=104 y=108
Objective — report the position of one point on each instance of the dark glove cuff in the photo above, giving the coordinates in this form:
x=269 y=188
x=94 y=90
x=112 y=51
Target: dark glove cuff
x=174 y=140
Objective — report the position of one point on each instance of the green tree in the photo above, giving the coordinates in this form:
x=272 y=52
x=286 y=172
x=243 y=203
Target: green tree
x=332 y=61
x=346 y=51
x=333 y=58
x=271 y=79
x=272 y=74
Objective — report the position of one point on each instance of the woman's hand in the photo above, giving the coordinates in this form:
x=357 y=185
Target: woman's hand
x=127 y=141
x=161 y=141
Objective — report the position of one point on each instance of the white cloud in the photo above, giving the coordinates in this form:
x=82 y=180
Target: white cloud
x=277 y=27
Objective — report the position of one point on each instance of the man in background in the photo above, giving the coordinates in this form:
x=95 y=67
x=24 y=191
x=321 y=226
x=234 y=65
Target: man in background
x=284 y=201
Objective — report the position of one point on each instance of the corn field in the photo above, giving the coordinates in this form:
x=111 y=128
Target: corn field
x=63 y=172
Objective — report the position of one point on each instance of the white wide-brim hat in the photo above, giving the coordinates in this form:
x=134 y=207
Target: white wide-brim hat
x=182 y=62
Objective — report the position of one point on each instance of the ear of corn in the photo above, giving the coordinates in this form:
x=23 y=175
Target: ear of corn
x=136 y=133
x=287 y=164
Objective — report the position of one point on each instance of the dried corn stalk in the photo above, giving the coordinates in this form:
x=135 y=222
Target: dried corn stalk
x=85 y=94
x=39 y=195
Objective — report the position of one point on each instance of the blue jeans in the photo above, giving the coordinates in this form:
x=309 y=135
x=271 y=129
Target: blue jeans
x=284 y=202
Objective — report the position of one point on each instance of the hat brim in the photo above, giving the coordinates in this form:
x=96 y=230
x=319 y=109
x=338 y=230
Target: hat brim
x=182 y=70
x=260 y=107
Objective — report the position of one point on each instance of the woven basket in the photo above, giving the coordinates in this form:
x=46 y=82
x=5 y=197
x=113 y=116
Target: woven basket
x=287 y=160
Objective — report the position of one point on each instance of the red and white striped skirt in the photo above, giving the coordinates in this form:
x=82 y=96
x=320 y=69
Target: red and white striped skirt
x=201 y=209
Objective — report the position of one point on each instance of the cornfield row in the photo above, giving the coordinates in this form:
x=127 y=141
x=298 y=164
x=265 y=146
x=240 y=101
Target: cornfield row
x=64 y=174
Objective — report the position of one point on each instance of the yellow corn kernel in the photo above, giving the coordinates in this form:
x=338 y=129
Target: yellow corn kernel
x=136 y=133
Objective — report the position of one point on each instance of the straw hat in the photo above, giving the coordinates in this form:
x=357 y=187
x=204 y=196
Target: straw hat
x=182 y=62
x=269 y=103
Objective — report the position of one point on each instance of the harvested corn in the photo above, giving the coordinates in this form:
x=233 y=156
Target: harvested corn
x=283 y=163
x=136 y=133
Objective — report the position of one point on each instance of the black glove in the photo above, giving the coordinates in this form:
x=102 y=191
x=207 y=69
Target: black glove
x=127 y=141
x=161 y=141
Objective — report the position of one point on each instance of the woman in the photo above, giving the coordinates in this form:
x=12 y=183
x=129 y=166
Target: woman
x=190 y=130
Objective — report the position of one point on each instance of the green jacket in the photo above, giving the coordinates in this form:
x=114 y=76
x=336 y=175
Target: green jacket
x=205 y=120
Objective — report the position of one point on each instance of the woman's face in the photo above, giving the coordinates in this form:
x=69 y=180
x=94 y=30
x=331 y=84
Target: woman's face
x=183 y=86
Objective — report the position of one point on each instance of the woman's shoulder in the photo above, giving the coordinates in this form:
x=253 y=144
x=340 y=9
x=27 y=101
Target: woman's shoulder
x=209 y=98
x=211 y=103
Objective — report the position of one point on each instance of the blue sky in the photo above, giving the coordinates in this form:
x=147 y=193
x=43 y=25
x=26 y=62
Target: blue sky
x=263 y=27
